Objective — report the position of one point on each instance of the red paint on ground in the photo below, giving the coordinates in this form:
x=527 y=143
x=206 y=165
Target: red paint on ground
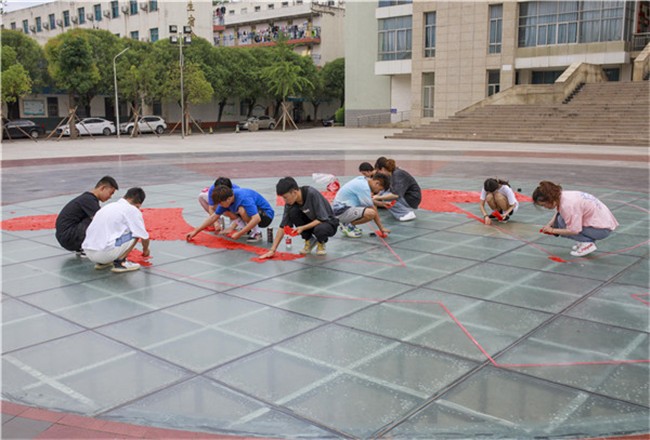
x=557 y=259
x=136 y=256
x=29 y=223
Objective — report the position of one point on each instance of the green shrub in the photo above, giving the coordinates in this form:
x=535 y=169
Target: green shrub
x=339 y=116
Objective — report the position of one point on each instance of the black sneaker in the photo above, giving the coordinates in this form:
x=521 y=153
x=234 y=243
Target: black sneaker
x=81 y=253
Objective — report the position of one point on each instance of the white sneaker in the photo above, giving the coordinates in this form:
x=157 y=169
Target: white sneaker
x=101 y=266
x=239 y=224
x=584 y=249
x=576 y=246
x=254 y=237
x=350 y=231
x=124 y=266
x=407 y=217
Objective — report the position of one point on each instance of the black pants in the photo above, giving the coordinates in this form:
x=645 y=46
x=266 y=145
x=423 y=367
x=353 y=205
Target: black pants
x=265 y=220
x=72 y=238
x=322 y=231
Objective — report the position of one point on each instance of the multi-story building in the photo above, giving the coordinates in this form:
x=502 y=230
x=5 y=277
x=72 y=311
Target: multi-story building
x=426 y=60
x=141 y=20
x=315 y=30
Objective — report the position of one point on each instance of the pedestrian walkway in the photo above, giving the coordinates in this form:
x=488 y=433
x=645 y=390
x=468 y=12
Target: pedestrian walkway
x=446 y=329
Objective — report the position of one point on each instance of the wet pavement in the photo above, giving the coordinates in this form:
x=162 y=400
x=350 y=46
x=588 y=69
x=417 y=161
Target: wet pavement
x=446 y=329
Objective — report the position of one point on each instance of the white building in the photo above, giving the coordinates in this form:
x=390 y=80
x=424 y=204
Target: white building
x=318 y=29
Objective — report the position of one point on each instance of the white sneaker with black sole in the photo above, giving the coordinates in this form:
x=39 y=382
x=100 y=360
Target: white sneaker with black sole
x=120 y=266
x=584 y=249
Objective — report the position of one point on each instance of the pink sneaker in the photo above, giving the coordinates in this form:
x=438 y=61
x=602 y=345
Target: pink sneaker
x=584 y=249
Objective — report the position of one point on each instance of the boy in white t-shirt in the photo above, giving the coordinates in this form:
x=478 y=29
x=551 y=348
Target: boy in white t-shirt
x=500 y=198
x=114 y=232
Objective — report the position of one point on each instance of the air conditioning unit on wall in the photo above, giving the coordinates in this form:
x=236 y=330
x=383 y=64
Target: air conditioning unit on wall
x=46 y=25
x=75 y=20
x=90 y=17
x=107 y=14
x=59 y=23
x=125 y=10
x=144 y=6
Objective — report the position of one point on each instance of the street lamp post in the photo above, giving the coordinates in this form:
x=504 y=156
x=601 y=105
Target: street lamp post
x=181 y=38
x=117 y=103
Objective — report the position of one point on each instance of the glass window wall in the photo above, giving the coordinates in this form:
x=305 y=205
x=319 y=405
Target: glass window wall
x=395 y=38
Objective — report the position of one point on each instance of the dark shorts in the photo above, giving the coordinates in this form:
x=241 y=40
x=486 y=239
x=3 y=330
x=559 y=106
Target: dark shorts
x=265 y=220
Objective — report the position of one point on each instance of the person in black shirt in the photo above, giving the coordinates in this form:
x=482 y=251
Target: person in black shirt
x=76 y=215
x=309 y=212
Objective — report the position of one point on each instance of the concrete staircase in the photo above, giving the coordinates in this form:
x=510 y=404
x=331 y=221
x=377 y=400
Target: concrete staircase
x=606 y=113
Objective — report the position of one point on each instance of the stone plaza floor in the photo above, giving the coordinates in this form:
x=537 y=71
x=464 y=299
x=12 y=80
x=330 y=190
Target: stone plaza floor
x=448 y=328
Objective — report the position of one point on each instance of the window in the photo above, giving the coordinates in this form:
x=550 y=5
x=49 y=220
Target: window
x=153 y=5
x=98 y=12
x=384 y=3
x=115 y=9
x=285 y=4
x=13 y=25
x=546 y=77
x=395 y=38
x=135 y=35
x=257 y=8
x=430 y=34
x=66 y=18
x=566 y=22
x=153 y=35
x=53 y=107
x=39 y=25
x=493 y=82
x=270 y=6
x=26 y=26
x=428 y=87
x=133 y=9
x=496 y=28
x=52 y=21
x=81 y=13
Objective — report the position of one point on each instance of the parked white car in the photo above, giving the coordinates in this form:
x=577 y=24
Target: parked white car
x=91 y=126
x=146 y=124
x=261 y=121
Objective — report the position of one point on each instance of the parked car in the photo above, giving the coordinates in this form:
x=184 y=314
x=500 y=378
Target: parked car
x=328 y=122
x=10 y=128
x=262 y=122
x=95 y=126
x=146 y=124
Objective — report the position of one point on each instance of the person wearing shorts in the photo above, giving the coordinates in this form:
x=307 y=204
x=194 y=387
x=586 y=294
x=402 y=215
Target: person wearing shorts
x=240 y=205
x=114 y=232
x=353 y=204
x=500 y=198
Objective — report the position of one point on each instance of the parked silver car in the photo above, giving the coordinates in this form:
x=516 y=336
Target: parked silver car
x=146 y=124
x=261 y=121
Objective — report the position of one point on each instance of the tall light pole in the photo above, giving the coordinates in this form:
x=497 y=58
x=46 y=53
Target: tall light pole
x=181 y=38
x=117 y=103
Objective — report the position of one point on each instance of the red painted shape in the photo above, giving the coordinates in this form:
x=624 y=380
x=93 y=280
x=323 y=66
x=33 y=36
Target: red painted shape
x=498 y=215
x=290 y=231
x=637 y=296
x=136 y=256
x=29 y=223
x=557 y=259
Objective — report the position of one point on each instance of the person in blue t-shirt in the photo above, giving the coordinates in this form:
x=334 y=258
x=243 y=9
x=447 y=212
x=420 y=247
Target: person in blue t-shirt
x=353 y=204
x=239 y=204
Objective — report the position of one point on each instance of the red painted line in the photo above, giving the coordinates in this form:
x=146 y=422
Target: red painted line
x=467 y=333
x=392 y=251
x=637 y=296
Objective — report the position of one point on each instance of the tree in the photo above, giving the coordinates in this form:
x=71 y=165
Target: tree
x=71 y=65
x=284 y=79
x=138 y=74
x=28 y=53
x=19 y=49
x=334 y=78
x=15 y=83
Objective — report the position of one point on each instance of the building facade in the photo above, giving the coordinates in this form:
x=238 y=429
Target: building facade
x=314 y=28
x=431 y=59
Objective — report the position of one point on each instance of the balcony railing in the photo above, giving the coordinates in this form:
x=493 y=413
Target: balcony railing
x=294 y=35
x=641 y=40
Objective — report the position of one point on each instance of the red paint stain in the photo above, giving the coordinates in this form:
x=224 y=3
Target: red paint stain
x=30 y=223
x=557 y=259
x=136 y=256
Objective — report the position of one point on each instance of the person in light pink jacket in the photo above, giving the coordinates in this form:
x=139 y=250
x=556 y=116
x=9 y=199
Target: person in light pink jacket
x=579 y=216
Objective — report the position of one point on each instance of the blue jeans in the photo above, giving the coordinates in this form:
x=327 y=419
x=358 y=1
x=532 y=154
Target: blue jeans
x=588 y=234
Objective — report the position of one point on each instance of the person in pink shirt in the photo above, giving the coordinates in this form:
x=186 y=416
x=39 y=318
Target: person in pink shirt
x=580 y=216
